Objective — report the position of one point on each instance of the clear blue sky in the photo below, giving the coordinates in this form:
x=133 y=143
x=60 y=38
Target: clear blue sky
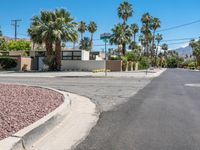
x=104 y=12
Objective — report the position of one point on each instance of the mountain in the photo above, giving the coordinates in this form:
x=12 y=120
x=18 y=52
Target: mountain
x=183 y=51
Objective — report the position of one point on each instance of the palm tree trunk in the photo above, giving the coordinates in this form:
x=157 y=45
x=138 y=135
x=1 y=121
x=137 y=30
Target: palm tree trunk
x=152 y=49
x=58 y=55
x=91 y=42
x=81 y=35
x=49 y=51
x=134 y=37
x=74 y=45
x=156 y=54
x=124 y=49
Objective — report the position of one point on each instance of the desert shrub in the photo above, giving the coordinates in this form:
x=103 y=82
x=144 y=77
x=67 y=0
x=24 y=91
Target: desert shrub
x=143 y=63
x=50 y=62
x=8 y=63
x=192 y=64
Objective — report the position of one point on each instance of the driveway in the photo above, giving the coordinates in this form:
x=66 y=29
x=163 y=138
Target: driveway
x=165 y=115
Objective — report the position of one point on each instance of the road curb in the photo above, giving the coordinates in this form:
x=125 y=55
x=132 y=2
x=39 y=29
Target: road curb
x=73 y=129
x=25 y=137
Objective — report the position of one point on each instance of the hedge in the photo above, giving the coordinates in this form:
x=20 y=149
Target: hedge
x=8 y=63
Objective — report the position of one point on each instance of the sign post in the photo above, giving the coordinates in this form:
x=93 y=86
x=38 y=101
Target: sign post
x=105 y=37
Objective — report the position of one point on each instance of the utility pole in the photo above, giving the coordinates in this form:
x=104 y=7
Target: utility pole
x=15 y=23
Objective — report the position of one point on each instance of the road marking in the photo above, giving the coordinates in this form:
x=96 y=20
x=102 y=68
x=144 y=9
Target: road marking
x=193 y=85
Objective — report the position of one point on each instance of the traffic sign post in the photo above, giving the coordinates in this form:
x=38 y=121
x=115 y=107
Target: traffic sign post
x=105 y=37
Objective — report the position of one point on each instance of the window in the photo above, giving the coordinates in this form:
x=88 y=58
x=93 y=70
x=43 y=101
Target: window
x=71 y=55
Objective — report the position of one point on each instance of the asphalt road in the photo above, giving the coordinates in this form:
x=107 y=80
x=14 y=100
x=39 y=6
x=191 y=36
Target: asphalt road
x=165 y=115
x=107 y=93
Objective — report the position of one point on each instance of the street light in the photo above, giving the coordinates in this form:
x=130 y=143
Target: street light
x=105 y=37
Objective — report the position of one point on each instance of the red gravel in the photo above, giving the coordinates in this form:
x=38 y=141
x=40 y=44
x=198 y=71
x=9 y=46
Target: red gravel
x=21 y=106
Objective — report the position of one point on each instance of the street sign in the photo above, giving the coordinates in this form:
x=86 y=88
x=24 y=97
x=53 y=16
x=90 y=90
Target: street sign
x=105 y=36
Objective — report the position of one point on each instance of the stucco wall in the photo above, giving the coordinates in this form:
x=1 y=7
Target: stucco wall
x=26 y=61
x=90 y=65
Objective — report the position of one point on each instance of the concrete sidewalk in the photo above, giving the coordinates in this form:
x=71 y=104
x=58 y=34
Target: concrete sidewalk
x=134 y=74
x=73 y=129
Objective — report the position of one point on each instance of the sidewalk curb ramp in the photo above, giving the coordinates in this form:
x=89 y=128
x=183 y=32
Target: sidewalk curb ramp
x=25 y=138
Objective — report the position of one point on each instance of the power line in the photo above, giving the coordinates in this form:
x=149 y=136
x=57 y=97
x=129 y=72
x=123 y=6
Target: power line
x=23 y=34
x=178 y=43
x=179 y=26
x=182 y=39
x=15 y=23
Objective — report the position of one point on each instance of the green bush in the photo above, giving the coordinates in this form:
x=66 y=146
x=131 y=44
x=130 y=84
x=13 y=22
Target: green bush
x=8 y=63
x=192 y=65
x=14 y=45
x=143 y=63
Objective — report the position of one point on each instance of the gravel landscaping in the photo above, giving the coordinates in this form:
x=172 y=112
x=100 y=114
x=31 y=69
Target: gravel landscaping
x=21 y=106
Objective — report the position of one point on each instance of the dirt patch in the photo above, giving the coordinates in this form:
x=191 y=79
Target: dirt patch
x=21 y=106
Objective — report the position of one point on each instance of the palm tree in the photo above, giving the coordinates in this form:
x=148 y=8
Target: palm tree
x=82 y=28
x=196 y=49
x=1 y=34
x=121 y=36
x=41 y=31
x=92 y=28
x=146 y=20
x=134 y=28
x=125 y=11
x=155 y=24
x=142 y=42
x=64 y=30
x=85 y=44
x=165 y=48
x=146 y=31
x=158 y=38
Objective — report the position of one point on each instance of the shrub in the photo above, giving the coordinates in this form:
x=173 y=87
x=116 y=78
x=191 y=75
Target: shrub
x=8 y=63
x=50 y=62
x=192 y=65
x=144 y=63
x=14 y=45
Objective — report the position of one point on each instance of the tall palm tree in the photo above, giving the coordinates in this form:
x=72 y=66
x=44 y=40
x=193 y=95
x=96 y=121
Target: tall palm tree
x=82 y=28
x=92 y=28
x=64 y=30
x=142 y=41
x=195 y=44
x=158 y=38
x=85 y=44
x=165 y=48
x=146 y=31
x=121 y=36
x=125 y=10
x=1 y=34
x=146 y=20
x=155 y=24
x=135 y=29
x=41 y=31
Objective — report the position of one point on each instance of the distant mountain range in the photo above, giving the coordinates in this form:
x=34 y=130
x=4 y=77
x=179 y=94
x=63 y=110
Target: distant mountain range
x=183 y=51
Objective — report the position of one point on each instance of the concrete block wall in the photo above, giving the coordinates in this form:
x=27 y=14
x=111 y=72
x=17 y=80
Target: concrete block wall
x=90 y=65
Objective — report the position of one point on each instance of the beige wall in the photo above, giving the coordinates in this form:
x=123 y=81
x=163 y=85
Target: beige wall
x=90 y=65
x=26 y=61
x=21 y=61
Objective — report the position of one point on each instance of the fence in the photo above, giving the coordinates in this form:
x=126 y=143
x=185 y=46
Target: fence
x=90 y=65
